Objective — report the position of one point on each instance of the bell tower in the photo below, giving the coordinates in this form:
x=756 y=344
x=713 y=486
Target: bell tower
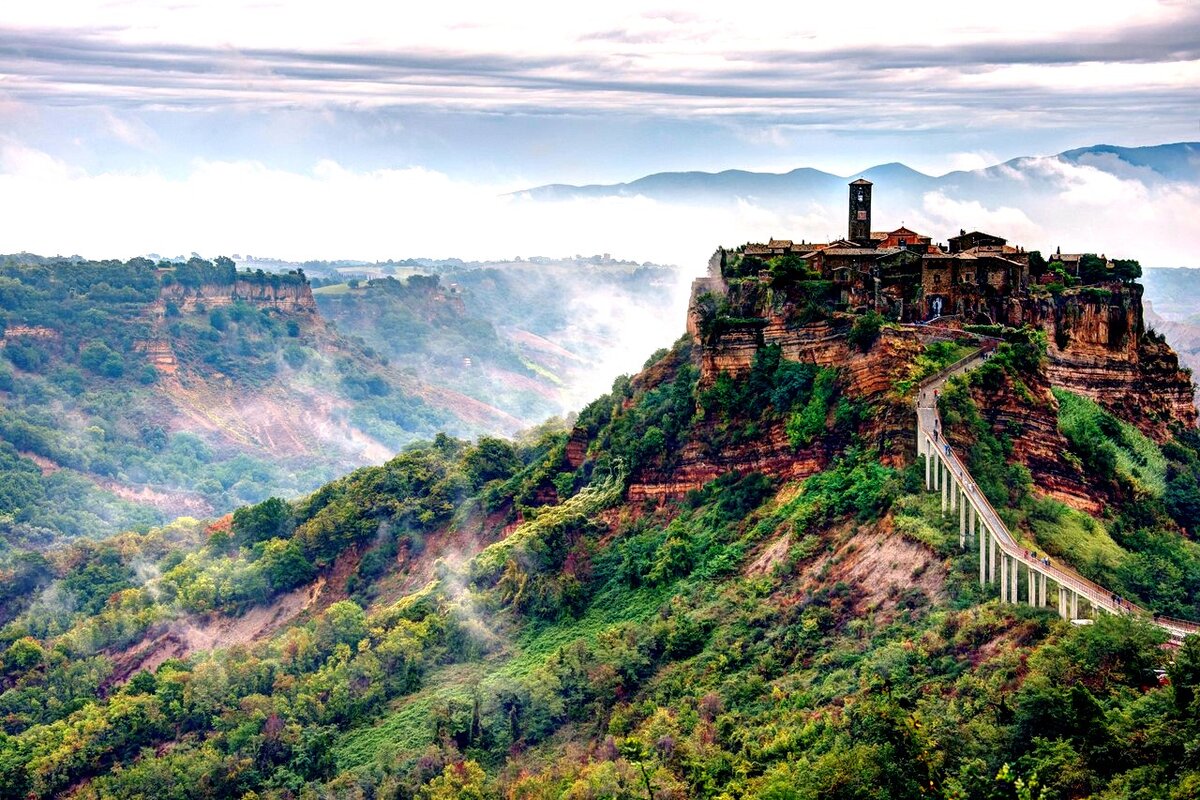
x=860 y=212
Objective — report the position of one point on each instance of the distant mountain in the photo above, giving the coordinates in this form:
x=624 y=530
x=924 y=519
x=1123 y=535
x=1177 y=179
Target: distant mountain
x=1172 y=162
x=1176 y=162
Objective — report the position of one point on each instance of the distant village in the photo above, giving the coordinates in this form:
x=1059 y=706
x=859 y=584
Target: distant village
x=906 y=276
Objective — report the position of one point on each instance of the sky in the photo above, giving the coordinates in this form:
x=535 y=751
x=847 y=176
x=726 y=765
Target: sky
x=389 y=130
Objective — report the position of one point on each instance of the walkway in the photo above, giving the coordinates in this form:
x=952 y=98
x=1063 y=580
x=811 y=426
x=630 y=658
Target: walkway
x=998 y=549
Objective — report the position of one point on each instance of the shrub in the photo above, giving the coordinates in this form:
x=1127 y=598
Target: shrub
x=865 y=330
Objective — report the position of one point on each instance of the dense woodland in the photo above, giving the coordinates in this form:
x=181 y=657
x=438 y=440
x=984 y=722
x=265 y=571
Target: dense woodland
x=599 y=650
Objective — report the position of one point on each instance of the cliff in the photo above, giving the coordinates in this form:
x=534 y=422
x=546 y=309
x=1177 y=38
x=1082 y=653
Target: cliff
x=1027 y=416
x=730 y=345
x=1099 y=347
x=1182 y=335
x=292 y=297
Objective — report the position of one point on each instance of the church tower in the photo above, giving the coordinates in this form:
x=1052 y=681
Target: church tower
x=860 y=212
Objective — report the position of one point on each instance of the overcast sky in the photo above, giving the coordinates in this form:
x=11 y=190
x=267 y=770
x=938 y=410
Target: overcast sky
x=166 y=108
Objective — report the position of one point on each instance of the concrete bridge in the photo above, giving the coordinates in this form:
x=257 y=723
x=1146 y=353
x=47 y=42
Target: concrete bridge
x=1003 y=562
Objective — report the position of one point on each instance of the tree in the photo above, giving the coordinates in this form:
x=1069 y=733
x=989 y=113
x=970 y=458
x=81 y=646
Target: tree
x=1126 y=269
x=1092 y=268
x=102 y=360
x=1037 y=264
x=489 y=460
x=465 y=780
x=865 y=330
x=285 y=565
x=270 y=519
x=1185 y=673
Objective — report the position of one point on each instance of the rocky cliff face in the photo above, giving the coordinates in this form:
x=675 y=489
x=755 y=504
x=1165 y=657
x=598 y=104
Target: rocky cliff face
x=731 y=348
x=1183 y=336
x=1098 y=347
x=290 y=296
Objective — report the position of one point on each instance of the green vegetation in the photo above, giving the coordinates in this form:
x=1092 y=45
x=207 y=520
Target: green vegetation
x=1108 y=447
x=824 y=638
x=935 y=357
x=516 y=337
x=1135 y=550
x=84 y=416
x=865 y=330
x=683 y=673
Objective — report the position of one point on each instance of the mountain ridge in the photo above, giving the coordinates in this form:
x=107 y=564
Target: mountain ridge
x=1171 y=157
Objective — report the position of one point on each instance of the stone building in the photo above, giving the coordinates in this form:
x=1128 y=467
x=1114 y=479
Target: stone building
x=906 y=275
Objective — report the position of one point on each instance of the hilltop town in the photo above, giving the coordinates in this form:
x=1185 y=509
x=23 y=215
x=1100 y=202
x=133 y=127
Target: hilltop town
x=907 y=277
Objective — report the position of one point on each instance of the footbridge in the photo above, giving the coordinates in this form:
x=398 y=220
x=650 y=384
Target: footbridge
x=1004 y=563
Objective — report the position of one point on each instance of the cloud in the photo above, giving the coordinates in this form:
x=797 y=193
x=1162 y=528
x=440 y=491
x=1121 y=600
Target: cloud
x=940 y=212
x=330 y=211
x=669 y=62
x=333 y=212
x=130 y=131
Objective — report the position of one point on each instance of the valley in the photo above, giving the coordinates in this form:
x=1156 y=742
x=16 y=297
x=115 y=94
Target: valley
x=724 y=577
x=139 y=392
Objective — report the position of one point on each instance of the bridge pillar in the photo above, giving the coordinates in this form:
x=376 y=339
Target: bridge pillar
x=1062 y=601
x=973 y=525
x=962 y=524
x=982 y=561
x=992 y=560
x=1074 y=605
x=1045 y=588
x=1003 y=578
x=1015 y=573
x=954 y=489
x=928 y=470
x=945 y=488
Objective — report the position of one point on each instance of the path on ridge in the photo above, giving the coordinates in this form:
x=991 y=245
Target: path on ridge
x=929 y=427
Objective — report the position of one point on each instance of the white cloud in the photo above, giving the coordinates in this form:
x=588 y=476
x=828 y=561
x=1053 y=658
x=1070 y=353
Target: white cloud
x=130 y=131
x=334 y=212
x=941 y=213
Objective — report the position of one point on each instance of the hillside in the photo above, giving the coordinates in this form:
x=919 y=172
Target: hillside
x=726 y=580
x=523 y=340
x=136 y=392
x=1175 y=312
